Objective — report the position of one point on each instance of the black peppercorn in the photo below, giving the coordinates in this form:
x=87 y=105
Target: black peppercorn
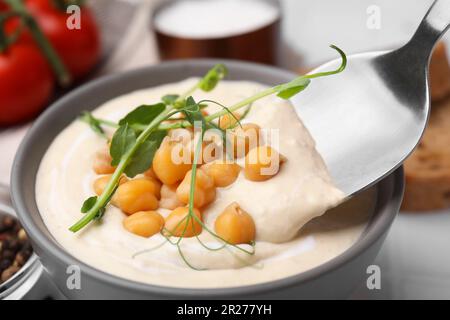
x=15 y=248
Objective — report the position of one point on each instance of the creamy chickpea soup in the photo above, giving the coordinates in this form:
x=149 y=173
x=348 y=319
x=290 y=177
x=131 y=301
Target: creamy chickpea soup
x=244 y=226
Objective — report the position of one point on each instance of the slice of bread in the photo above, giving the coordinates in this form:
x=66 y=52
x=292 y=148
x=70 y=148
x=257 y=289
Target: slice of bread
x=427 y=170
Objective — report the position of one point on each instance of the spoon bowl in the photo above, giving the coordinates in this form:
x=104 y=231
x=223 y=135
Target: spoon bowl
x=365 y=127
x=373 y=114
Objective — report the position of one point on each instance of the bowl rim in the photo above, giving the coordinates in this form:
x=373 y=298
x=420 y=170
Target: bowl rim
x=377 y=228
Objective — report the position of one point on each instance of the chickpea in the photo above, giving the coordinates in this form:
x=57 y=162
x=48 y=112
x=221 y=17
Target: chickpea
x=150 y=174
x=181 y=135
x=204 y=189
x=136 y=195
x=100 y=183
x=144 y=223
x=212 y=147
x=189 y=139
x=262 y=163
x=169 y=199
x=210 y=195
x=244 y=139
x=207 y=152
x=169 y=166
x=183 y=195
x=180 y=224
x=157 y=184
x=202 y=180
x=227 y=121
x=235 y=225
x=174 y=120
x=102 y=162
x=222 y=172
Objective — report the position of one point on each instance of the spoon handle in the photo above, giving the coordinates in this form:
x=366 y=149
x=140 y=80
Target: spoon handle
x=433 y=26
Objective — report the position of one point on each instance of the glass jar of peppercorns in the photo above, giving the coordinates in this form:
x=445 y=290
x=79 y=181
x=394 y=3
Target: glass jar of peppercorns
x=19 y=267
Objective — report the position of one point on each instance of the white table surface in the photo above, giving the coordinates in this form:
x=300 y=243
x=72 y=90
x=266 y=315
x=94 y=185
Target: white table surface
x=415 y=259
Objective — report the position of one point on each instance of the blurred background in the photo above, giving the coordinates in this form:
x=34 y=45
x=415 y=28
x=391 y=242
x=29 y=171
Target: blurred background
x=293 y=34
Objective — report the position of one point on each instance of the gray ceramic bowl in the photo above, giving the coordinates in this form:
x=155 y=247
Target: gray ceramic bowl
x=334 y=279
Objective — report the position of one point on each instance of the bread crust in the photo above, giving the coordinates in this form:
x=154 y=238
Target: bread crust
x=427 y=170
x=439 y=73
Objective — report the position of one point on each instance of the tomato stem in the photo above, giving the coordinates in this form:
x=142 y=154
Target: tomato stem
x=5 y=39
x=4 y=42
x=60 y=70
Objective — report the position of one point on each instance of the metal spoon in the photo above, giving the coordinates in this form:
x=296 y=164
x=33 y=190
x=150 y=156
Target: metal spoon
x=369 y=118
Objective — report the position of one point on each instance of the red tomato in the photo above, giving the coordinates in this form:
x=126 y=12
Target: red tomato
x=3 y=6
x=78 y=48
x=26 y=83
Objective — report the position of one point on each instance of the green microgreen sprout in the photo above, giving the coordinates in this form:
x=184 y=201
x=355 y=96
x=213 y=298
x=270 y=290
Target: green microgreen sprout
x=132 y=151
x=191 y=217
x=94 y=123
x=139 y=134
